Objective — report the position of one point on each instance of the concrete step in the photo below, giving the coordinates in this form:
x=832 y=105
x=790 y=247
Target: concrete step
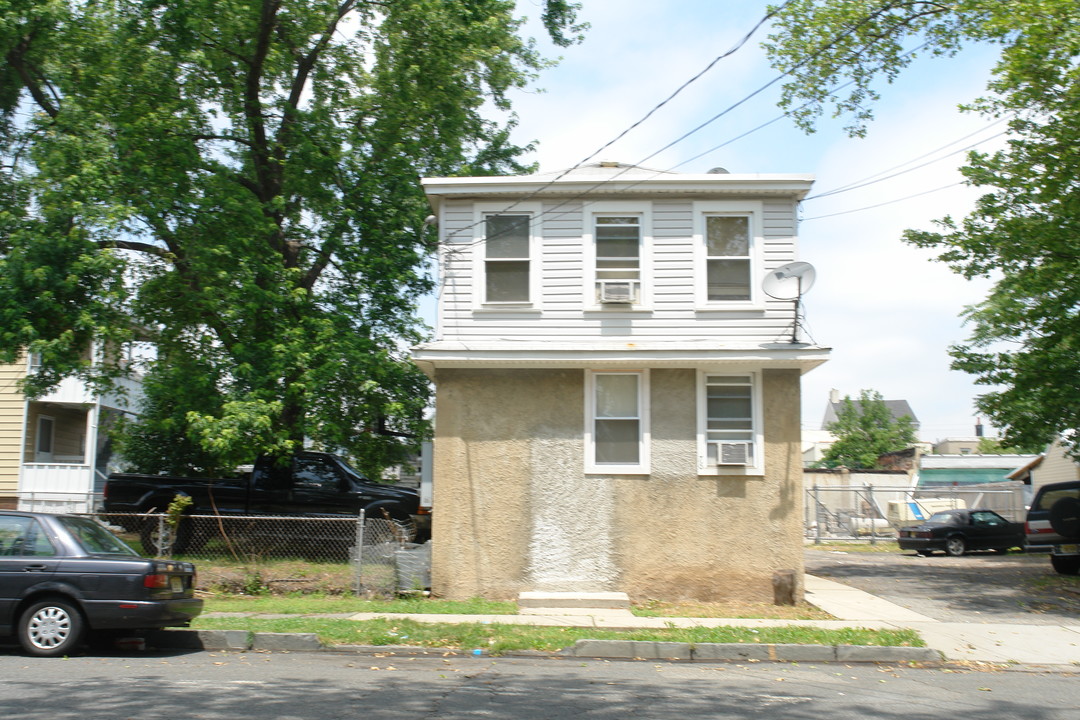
x=548 y=600
x=609 y=614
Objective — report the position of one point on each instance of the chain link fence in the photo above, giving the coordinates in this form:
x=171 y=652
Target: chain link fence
x=872 y=513
x=258 y=553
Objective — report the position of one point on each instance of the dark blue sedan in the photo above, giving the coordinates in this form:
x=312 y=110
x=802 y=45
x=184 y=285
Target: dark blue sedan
x=62 y=576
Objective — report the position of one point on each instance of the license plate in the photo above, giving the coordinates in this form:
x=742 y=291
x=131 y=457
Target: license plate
x=1068 y=549
x=177 y=584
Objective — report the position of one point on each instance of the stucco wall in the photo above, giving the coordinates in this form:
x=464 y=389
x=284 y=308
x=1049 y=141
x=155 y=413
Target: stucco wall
x=514 y=510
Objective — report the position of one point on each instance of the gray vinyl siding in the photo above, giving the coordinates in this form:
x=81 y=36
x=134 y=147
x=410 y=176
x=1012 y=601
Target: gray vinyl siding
x=563 y=312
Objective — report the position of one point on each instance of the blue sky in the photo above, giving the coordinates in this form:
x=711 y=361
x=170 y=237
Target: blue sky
x=888 y=312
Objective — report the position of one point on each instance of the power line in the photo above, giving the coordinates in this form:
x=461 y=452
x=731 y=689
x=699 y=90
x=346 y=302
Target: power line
x=536 y=218
x=872 y=179
x=889 y=202
x=738 y=46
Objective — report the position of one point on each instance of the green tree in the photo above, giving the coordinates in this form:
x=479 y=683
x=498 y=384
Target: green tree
x=1025 y=231
x=236 y=182
x=865 y=430
x=994 y=446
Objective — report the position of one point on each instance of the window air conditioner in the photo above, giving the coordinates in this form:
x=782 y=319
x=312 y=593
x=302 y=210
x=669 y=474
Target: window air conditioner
x=616 y=292
x=734 y=453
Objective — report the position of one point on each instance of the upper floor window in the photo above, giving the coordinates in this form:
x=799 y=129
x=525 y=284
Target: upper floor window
x=617 y=422
x=506 y=258
x=728 y=254
x=729 y=422
x=727 y=250
x=618 y=259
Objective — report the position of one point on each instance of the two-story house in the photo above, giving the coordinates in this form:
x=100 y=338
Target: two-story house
x=54 y=453
x=617 y=400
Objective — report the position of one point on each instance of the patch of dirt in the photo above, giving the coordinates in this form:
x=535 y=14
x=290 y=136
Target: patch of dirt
x=802 y=611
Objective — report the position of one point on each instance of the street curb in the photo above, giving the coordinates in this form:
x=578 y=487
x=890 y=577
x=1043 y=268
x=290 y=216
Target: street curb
x=242 y=641
x=709 y=652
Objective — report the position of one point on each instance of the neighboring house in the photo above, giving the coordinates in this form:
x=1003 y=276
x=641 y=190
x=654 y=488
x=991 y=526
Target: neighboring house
x=54 y=450
x=896 y=408
x=617 y=400
x=817 y=442
x=1050 y=467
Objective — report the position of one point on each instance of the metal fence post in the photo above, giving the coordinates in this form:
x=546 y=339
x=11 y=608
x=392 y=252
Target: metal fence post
x=872 y=514
x=817 y=516
x=359 y=552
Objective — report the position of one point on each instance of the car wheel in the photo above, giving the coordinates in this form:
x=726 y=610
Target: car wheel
x=50 y=628
x=1065 y=517
x=955 y=546
x=1066 y=564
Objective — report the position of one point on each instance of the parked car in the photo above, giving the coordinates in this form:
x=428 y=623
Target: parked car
x=63 y=576
x=954 y=532
x=1053 y=525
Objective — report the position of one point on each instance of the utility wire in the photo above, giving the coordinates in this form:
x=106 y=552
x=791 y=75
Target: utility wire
x=888 y=202
x=872 y=179
x=601 y=183
x=738 y=46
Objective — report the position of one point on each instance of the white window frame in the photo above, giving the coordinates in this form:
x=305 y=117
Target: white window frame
x=642 y=465
x=757 y=465
x=643 y=212
x=754 y=211
x=481 y=213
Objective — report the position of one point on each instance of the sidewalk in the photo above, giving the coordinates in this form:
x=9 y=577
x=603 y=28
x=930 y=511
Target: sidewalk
x=1038 y=645
x=990 y=643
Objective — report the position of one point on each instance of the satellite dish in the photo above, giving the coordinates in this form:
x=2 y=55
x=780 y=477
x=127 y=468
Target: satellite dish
x=790 y=282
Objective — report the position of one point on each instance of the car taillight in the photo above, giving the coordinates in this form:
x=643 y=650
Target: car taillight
x=157 y=580
x=923 y=534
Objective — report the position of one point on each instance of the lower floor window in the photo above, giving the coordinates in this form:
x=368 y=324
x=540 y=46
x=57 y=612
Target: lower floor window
x=617 y=422
x=729 y=426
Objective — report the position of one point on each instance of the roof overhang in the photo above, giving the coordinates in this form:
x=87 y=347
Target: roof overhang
x=794 y=187
x=521 y=355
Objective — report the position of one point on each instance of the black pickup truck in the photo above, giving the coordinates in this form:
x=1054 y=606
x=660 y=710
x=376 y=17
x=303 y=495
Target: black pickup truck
x=310 y=484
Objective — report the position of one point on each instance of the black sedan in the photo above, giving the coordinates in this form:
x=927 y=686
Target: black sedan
x=954 y=532
x=62 y=576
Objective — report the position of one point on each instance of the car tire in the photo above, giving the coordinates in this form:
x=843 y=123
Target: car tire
x=955 y=546
x=1066 y=564
x=1065 y=517
x=51 y=628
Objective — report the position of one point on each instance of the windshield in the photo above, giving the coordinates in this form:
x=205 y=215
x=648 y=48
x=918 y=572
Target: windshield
x=94 y=538
x=946 y=518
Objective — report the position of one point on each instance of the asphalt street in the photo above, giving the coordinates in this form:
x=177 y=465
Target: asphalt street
x=224 y=686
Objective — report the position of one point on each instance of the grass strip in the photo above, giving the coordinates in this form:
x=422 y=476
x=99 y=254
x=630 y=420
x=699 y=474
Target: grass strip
x=311 y=604
x=498 y=638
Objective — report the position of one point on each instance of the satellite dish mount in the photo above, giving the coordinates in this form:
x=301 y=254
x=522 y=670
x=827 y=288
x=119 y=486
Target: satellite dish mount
x=790 y=282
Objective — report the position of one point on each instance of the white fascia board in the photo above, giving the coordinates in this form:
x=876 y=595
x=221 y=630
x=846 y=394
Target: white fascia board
x=793 y=186
x=452 y=354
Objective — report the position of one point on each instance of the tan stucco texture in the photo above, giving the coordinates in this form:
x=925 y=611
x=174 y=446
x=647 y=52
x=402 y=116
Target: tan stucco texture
x=515 y=511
